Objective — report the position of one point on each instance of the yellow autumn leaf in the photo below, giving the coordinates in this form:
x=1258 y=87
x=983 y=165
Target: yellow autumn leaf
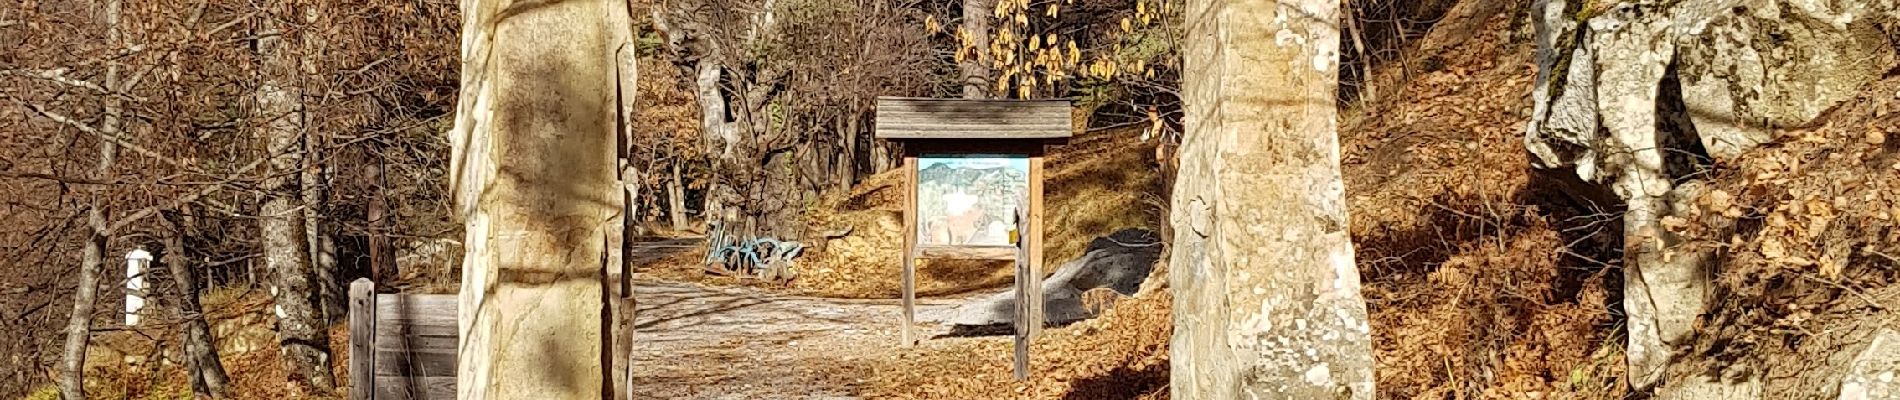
x=1052 y=13
x=1126 y=27
x=1830 y=267
x=1798 y=261
x=1817 y=207
x=1035 y=42
x=1772 y=249
x=1718 y=200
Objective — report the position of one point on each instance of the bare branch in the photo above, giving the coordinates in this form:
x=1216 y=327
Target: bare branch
x=128 y=51
x=59 y=76
x=82 y=127
x=56 y=178
x=194 y=196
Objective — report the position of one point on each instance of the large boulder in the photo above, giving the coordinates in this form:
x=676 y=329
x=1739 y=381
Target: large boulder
x=1119 y=262
x=1766 y=64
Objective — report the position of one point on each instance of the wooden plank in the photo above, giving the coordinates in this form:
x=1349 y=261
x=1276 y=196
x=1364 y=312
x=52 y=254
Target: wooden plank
x=997 y=122
x=423 y=388
x=1032 y=235
x=959 y=105
x=935 y=147
x=415 y=363
x=972 y=129
x=418 y=309
x=419 y=343
x=910 y=248
x=1023 y=295
x=1060 y=114
x=914 y=119
x=387 y=330
x=362 y=339
x=960 y=133
x=967 y=252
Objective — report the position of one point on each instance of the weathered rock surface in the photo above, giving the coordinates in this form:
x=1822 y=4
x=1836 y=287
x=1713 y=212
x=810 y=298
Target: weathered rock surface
x=1120 y=262
x=1613 y=82
x=1771 y=64
x=1872 y=374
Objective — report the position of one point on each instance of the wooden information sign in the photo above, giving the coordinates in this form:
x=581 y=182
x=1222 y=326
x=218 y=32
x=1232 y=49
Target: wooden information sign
x=973 y=190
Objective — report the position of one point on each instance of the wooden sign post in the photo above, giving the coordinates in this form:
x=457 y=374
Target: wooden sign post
x=973 y=172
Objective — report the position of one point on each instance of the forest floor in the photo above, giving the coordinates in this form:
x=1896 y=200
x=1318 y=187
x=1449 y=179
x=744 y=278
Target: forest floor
x=705 y=342
x=699 y=341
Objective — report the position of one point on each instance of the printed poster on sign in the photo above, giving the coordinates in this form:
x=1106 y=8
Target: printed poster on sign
x=969 y=200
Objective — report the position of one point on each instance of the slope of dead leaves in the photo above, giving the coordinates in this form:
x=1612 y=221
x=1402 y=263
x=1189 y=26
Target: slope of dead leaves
x=1805 y=231
x=1483 y=279
x=148 y=364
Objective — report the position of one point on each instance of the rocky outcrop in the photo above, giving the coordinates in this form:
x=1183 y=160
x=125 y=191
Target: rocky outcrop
x=1640 y=95
x=1119 y=262
x=1763 y=65
x=1871 y=375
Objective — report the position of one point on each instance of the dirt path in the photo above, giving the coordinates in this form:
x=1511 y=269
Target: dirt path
x=703 y=342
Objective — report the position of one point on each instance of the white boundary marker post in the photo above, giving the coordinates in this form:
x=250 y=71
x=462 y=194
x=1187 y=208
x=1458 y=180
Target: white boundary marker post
x=136 y=263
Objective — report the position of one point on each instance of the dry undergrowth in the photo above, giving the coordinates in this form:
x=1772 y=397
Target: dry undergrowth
x=160 y=374
x=1483 y=280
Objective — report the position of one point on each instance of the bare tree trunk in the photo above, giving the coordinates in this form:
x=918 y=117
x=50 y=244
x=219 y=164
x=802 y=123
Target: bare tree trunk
x=332 y=297
x=848 y=162
x=676 y=197
x=1267 y=301
x=72 y=379
x=536 y=186
x=208 y=378
x=978 y=21
x=1366 y=87
x=382 y=254
x=304 y=341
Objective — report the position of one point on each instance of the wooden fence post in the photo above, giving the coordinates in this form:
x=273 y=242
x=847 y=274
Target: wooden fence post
x=362 y=339
x=910 y=247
